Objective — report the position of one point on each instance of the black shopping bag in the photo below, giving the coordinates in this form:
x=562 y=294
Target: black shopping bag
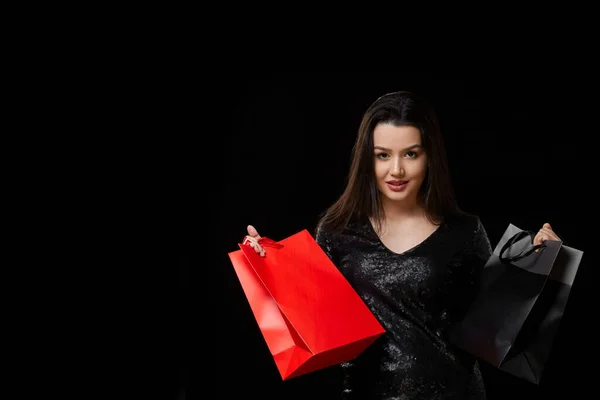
x=514 y=320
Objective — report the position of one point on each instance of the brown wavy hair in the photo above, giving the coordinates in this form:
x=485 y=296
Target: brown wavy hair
x=361 y=199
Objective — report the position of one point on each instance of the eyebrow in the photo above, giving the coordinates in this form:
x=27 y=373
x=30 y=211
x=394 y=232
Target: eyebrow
x=414 y=146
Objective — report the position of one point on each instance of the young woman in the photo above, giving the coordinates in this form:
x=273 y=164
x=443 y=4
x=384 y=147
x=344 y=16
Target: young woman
x=399 y=237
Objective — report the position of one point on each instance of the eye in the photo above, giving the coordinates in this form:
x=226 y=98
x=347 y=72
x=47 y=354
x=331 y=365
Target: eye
x=382 y=156
x=412 y=154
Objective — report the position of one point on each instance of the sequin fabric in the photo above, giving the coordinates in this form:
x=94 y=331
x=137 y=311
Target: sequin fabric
x=417 y=296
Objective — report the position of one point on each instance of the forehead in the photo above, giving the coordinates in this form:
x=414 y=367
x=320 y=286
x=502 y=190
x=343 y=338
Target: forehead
x=390 y=136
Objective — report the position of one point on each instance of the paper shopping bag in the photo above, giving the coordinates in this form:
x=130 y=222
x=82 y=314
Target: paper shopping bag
x=524 y=291
x=308 y=314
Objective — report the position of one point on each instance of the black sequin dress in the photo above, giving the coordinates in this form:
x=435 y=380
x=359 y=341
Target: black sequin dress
x=417 y=296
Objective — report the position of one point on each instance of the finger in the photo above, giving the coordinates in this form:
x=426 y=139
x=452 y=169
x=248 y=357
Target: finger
x=543 y=235
x=546 y=226
x=549 y=234
x=539 y=238
x=253 y=232
x=257 y=247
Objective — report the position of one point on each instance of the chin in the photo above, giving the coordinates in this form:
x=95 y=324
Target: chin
x=396 y=196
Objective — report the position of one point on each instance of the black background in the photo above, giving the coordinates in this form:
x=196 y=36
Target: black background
x=273 y=151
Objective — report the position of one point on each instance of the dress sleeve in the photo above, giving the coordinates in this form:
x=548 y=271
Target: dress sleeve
x=479 y=252
x=467 y=270
x=348 y=369
x=481 y=247
x=327 y=242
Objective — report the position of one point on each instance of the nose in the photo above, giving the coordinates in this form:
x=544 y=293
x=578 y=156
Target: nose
x=397 y=169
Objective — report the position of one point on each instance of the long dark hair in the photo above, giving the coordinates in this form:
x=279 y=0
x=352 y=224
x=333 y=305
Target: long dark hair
x=361 y=198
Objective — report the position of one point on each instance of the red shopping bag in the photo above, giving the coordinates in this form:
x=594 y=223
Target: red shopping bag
x=309 y=315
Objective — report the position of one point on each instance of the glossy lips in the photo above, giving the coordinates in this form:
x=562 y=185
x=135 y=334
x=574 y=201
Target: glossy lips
x=397 y=185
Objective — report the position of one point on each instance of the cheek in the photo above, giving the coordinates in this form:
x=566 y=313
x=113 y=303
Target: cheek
x=419 y=169
x=380 y=171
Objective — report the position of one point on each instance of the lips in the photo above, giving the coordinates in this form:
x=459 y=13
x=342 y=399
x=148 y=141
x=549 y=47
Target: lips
x=396 y=182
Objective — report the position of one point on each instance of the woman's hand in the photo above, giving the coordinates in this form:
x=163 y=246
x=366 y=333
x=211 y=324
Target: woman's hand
x=546 y=233
x=252 y=240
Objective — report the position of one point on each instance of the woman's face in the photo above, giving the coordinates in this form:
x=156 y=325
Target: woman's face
x=400 y=162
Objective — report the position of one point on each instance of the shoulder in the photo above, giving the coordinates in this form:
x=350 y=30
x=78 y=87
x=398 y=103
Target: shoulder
x=322 y=232
x=325 y=236
x=474 y=235
x=466 y=222
x=327 y=239
x=355 y=231
x=471 y=230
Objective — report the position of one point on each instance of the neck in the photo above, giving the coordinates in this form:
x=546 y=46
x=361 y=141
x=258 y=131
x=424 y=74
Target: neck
x=396 y=211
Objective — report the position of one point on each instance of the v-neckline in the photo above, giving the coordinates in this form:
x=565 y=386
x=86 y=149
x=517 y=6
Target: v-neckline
x=409 y=250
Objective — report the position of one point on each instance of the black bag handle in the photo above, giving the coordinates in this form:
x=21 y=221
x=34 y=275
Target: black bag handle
x=515 y=238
